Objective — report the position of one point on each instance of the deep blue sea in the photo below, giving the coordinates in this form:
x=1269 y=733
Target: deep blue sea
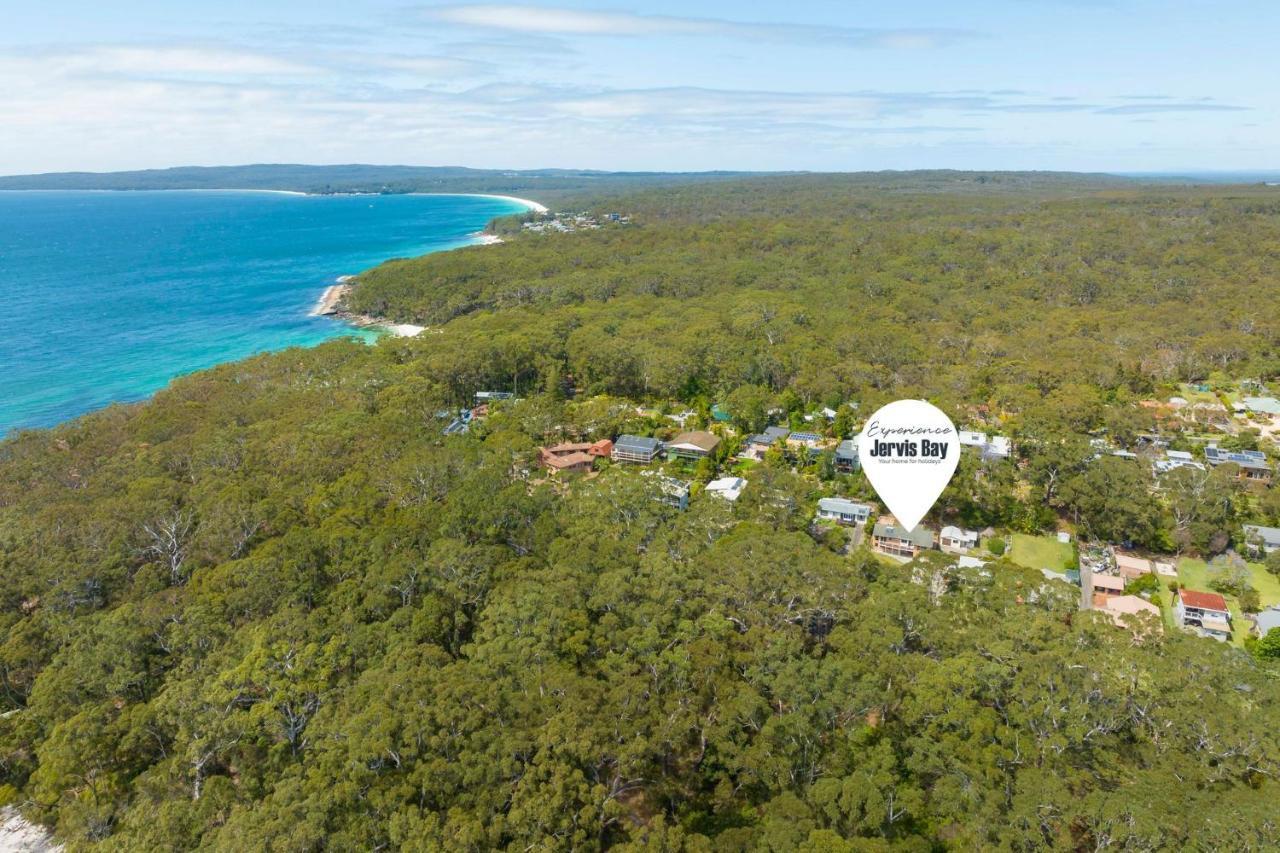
x=109 y=295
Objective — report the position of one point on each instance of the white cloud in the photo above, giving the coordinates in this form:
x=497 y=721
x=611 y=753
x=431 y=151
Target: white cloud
x=129 y=106
x=156 y=61
x=544 y=21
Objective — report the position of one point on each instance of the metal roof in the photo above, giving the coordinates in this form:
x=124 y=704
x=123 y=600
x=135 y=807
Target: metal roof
x=921 y=536
x=1243 y=458
x=1269 y=535
x=844 y=506
x=637 y=443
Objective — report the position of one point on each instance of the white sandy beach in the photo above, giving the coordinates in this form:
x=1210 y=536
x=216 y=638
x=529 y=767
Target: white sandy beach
x=331 y=299
x=17 y=835
x=532 y=205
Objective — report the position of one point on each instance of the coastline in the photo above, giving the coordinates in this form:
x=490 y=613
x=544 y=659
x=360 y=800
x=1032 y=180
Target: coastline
x=532 y=205
x=330 y=302
x=330 y=305
x=19 y=835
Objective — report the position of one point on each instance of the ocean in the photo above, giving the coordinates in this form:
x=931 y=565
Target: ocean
x=110 y=295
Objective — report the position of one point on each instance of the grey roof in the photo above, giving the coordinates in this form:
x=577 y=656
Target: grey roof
x=1244 y=458
x=844 y=506
x=922 y=536
x=847 y=449
x=1267 y=619
x=1267 y=405
x=637 y=443
x=1268 y=535
x=771 y=435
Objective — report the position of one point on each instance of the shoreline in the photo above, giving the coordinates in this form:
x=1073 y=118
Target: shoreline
x=532 y=205
x=19 y=834
x=330 y=302
x=330 y=305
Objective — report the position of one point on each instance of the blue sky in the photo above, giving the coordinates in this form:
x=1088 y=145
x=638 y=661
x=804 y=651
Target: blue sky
x=1109 y=85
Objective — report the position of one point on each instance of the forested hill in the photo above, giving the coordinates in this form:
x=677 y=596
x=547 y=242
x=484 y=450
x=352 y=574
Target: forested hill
x=961 y=287
x=275 y=608
x=544 y=183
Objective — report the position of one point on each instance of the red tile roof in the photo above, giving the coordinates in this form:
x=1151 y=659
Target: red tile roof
x=1203 y=600
x=567 y=460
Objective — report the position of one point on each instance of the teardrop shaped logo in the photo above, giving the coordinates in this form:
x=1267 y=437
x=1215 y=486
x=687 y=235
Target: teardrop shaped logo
x=909 y=450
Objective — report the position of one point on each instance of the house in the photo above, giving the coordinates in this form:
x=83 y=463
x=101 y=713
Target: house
x=843 y=511
x=1263 y=405
x=954 y=540
x=888 y=537
x=1259 y=539
x=673 y=493
x=635 y=448
x=999 y=448
x=847 y=456
x=989 y=447
x=1175 y=459
x=1132 y=567
x=758 y=444
x=1103 y=584
x=574 y=456
x=483 y=397
x=809 y=440
x=692 y=445
x=1118 y=607
x=728 y=488
x=1204 y=611
x=1253 y=463
x=1266 y=620
x=1152 y=439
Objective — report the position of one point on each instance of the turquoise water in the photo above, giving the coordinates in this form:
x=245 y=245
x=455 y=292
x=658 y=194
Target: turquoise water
x=108 y=296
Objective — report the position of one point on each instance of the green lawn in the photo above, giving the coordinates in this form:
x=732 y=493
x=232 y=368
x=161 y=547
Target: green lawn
x=1040 y=552
x=1191 y=395
x=1194 y=574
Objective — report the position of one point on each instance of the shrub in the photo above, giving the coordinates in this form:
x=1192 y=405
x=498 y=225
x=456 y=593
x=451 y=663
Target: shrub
x=996 y=546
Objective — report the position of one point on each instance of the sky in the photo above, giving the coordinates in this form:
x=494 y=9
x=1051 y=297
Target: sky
x=1084 y=85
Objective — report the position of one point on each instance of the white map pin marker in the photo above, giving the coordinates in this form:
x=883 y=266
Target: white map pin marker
x=909 y=450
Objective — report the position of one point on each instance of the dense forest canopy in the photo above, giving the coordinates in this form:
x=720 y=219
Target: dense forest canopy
x=830 y=287
x=275 y=608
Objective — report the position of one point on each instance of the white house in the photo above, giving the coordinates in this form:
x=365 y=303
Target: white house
x=843 y=511
x=728 y=488
x=990 y=447
x=1206 y=612
x=954 y=540
x=1174 y=459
